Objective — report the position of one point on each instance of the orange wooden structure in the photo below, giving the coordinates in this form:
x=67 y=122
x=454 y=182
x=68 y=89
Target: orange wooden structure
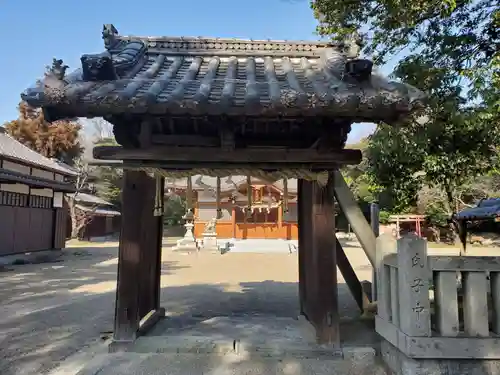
x=415 y=221
x=269 y=218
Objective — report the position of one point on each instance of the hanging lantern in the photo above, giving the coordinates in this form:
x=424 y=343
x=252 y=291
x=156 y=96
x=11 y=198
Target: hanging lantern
x=285 y=195
x=249 y=198
x=217 y=200
x=158 y=209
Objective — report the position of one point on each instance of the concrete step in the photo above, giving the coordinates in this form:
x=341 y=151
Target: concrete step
x=236 y=346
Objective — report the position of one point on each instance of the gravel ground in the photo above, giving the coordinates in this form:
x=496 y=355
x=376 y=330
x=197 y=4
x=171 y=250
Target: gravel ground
x=50 y=311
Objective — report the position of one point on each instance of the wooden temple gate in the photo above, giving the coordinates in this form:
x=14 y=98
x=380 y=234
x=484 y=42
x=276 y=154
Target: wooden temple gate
x=270 y=109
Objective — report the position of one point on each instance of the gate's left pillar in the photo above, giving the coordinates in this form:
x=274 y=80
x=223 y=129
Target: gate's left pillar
x=317 y=259
x=139 y=260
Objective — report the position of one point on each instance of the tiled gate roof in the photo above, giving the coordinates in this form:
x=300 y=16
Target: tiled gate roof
x=221 y=76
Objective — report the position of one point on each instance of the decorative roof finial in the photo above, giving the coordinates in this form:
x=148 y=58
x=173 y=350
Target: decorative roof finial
x=352 y=45
x=109 y=33
x=56 y=70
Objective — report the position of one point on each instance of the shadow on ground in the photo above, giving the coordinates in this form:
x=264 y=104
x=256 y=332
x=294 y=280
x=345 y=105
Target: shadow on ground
x=351 y=242
x=48 y=311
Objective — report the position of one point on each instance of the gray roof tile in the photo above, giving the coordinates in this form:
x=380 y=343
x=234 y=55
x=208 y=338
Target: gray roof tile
x=220 y=76
x=89 y=198
x=13 y=149
x=99 y=211
x=200 y=182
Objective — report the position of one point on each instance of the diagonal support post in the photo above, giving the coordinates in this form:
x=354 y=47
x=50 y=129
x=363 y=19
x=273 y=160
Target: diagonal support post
x=355 y=217
x=350 y=277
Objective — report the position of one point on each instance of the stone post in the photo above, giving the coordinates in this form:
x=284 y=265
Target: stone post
x=386 y=244
x=413 y=286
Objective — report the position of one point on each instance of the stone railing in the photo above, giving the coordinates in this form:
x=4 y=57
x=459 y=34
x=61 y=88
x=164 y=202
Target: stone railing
x=442 y=307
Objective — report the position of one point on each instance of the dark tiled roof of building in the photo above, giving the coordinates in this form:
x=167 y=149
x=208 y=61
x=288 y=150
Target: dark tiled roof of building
x=13 y=149
x=90 y=199
x=486 y=209
x=221 y=76
x=9 y=176
x=99 y=211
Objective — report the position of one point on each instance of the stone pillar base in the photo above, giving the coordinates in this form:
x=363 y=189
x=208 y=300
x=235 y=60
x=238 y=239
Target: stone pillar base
x=188 y=243
x=210 y=242
x=400 y=364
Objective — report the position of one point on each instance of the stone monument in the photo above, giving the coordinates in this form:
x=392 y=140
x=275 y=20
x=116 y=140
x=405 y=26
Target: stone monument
x=210 y=236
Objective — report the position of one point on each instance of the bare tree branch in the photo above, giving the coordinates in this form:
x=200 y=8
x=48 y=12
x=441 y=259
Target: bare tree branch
x=79 y=218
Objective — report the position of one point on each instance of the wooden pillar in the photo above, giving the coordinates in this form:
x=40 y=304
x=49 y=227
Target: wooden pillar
x=157 y=249
x=139 y=257
x=151 y=244
x=60 y=223
x=280 y=217
x=245 y=228
x=280 y=224
x=233 y=220
x=129 y=256
x=462 y=233
x=317 y=259
x=419 y=227
x=304 y=234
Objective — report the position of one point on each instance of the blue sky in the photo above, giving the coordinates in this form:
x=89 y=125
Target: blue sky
x=34 y=32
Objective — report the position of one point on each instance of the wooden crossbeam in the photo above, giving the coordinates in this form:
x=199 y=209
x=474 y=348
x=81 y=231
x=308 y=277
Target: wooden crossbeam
x=179 y=166
x=214 y=155
x=185 y=140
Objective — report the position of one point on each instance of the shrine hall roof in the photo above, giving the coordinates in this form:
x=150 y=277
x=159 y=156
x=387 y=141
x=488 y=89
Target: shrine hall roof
x=200 y=182
x=214 y=76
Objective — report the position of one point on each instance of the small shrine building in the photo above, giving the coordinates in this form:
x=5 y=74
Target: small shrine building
x=271 y=215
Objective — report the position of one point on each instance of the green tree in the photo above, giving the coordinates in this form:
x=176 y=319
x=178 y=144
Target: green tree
x=109 y=179
x=452 y=53
x=59 y=140
x=460 y=36
x=108 y=183
x=362 y=183
x=456 y=143
x=175 y=208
